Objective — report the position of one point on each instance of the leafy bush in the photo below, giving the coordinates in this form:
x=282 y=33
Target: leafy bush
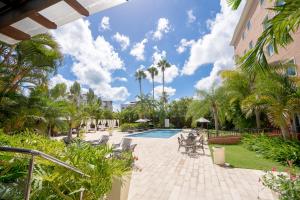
x=274 y=148
x=286 y=185
x=127 y=126
x=51 y=181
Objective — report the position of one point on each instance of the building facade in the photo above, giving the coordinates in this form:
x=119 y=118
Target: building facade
x=248 y=30
x=250 y=27
x=107 y=105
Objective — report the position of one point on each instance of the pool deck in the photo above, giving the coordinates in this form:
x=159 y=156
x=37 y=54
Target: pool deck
x=167 y=174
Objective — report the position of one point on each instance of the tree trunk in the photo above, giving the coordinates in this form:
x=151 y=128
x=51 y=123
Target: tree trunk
x=140 y=82
x=153 y=88
x=153 y=100
x=70 y=132
x=49 y=130
x=257 y=117
x=163 y=92
x=285 y=131
x=215 y=113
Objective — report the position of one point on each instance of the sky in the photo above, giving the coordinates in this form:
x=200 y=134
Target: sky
x=103 y=51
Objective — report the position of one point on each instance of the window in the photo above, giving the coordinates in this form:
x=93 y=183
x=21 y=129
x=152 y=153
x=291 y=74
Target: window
x=243 y=35
x=279 y=3
x=250 y=45
x=291 y=70
x=249 y=25
x=265 y=22
x=270 y=50
x=261 y=2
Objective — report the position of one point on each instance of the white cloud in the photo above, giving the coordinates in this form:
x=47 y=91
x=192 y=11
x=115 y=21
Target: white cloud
x=122 y=79
x=159 y=89
x=170 y=73
x=60 y=79
x=105 y=23
x=214 y=47
x=184 y=44
x=163 y=26
x=94 y=60
x=191 y=16
x=138 y=50
x=123 y=40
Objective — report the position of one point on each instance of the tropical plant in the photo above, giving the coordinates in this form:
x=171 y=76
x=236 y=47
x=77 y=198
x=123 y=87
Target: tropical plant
x=163 y=65
x=153 y=72
x=56 y=182
x=278 y=32
x=140 y=75
x=213 y=99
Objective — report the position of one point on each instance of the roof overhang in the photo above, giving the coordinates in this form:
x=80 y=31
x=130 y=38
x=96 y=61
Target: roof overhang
x=242 y=21
x=22 y=19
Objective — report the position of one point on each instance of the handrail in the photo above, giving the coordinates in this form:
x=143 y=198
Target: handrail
x=31 y=164
x=43 y=155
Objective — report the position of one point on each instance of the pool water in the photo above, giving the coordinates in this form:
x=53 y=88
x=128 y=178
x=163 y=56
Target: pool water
x=157 y=133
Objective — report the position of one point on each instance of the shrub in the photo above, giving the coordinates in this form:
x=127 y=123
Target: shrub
x=51 y=180
x=274 y=148
x=127 y=126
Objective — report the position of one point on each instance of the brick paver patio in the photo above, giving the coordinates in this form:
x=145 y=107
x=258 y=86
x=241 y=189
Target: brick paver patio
x=171 y=175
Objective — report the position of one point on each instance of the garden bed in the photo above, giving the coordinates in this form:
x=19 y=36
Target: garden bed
x=224 y=140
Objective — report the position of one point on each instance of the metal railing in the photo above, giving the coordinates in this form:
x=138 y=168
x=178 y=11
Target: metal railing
x=34 y=153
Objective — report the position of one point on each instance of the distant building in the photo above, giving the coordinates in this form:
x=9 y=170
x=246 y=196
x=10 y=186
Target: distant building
x=127 y=105
x=107 y=105
x=249 y=28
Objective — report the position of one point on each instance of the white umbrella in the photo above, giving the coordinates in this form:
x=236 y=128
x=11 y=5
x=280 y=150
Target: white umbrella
x=142 y=120
x=202 y=120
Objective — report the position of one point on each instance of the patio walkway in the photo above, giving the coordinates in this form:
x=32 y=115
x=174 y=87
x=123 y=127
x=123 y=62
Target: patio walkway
x=168 y=174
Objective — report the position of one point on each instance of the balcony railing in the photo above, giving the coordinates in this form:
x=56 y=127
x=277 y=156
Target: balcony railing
x=34 y=153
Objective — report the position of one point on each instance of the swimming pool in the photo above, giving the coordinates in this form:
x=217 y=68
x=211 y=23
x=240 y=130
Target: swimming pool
x=157 y=133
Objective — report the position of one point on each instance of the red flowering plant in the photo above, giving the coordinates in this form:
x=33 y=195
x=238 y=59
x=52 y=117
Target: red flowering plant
x=285 y=184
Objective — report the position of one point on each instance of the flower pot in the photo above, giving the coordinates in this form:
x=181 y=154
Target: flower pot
x=120 y=187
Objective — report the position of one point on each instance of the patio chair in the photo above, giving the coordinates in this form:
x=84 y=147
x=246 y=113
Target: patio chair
x=200 y=143
x=189 y=144
x=180 y=143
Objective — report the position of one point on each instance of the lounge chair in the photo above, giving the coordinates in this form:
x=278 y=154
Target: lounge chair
x=102 y=141
x=124 y=145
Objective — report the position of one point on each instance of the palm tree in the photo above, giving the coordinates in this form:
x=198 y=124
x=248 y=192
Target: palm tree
x=163 y=65
x=278 y=32
x=212 y=98
x=140 y=75
x=153 y=72
x=280 y=95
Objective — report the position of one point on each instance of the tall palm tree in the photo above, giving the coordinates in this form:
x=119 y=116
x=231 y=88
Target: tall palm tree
x=153 y=72
x=163 y=65
x=278 y=32
x=140 y=75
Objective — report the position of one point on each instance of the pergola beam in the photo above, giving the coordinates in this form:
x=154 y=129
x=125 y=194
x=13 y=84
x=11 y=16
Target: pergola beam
x=78 y=7
x=27 y=9
x=14 y=33
x=43 y=21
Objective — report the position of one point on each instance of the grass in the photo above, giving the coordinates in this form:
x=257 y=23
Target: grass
x=240 y=157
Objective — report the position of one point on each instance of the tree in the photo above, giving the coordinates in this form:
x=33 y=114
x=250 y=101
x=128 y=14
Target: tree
x=28 y=62
x=281 y=98
x=140 y=75
x=153 y=72
x=278 y=32
x=212 y=98
x=163 y=65
x=177 y=112
x=59 y=90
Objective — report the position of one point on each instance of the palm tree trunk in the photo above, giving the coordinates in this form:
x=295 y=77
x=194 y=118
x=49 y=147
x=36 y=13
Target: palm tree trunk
x=257 y=117
x=140 y=82
x=163 y=93
x=215 y=113
x=49 y=130
x=153 y=100
x=70 y=132
x=285 y=131
x=153 y=88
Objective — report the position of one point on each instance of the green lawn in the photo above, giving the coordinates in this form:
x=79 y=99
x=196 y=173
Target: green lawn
x=240 y=157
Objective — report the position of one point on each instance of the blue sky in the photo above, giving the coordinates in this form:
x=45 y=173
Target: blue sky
x=104 y=50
